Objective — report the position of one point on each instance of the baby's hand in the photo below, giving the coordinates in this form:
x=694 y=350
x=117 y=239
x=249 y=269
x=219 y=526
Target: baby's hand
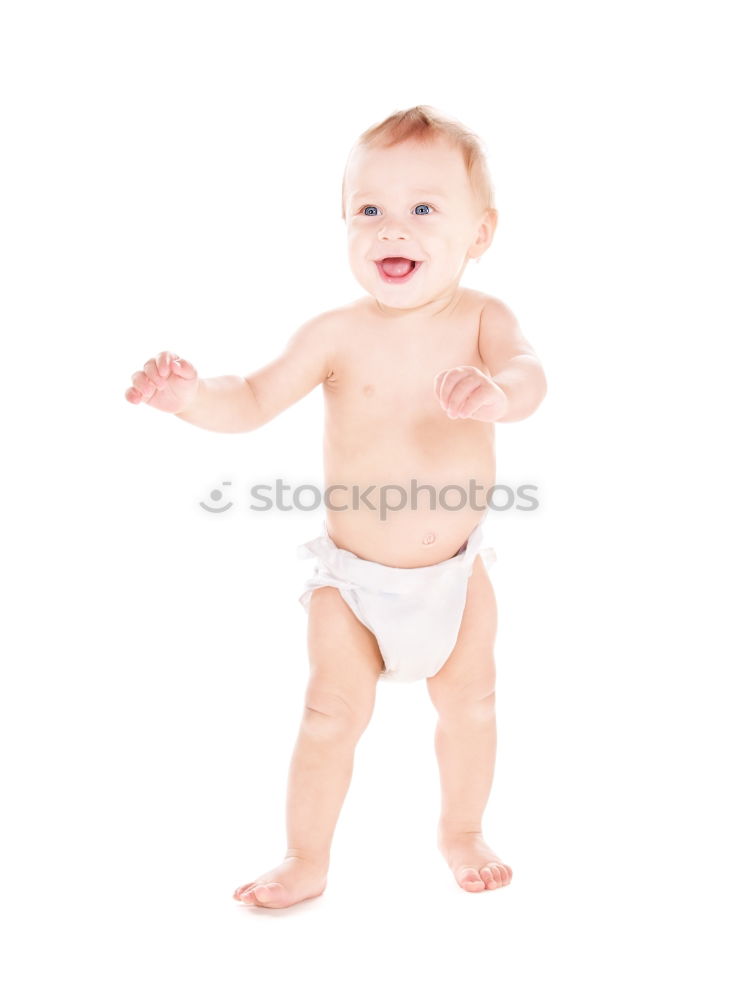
x=467 y=392
x=167 y=383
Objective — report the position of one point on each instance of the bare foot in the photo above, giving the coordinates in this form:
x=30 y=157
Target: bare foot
x=474 y=865
x=288 y=883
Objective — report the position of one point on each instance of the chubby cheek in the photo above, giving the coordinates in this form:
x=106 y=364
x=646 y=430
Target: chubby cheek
x=358 y=245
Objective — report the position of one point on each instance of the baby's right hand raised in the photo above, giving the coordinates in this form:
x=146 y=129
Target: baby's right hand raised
x=167 y=383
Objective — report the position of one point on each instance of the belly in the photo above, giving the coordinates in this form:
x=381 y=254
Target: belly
x=408 y=509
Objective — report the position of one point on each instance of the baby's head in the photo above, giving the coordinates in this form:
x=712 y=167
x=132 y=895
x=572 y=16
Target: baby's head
x=416 y=186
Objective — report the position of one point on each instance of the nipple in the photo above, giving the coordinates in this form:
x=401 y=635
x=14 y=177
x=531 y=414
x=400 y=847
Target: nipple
x=429 y=538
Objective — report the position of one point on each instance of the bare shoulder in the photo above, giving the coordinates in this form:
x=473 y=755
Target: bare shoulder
x=333 y=321
x=320 y=330
x=322 y=323
x=500 y=337
x=324 y=334
x=494 y=310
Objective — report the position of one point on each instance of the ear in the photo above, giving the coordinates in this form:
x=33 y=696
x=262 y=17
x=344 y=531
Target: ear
x=485 y=232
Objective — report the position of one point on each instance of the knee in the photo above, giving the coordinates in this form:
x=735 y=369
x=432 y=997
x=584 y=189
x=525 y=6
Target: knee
x=466 y=707
x=330 y=715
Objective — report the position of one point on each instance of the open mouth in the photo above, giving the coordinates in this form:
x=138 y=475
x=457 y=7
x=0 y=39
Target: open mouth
x=397 y=270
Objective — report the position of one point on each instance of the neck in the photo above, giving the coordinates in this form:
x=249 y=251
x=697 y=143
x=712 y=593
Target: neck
x=443 y=304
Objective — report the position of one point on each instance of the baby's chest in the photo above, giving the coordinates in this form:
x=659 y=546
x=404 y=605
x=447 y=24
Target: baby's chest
x=395 y=390
x=397 y=379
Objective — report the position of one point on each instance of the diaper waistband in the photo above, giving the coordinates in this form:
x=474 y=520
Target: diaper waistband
x=350 y=569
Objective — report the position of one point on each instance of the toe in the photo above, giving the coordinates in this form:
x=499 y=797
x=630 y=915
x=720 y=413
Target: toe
x=243 y=889
x=505 y=874
x=469 y=878
x=499 y=875
x=271 y=894
x=488 y=878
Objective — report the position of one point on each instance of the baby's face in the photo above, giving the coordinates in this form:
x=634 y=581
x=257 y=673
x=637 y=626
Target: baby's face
x=412 y=201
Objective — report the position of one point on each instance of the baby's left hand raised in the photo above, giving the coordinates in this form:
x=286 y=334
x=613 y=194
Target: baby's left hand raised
x=467 y=392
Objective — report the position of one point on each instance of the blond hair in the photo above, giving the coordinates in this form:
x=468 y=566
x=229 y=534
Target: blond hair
x=425 y=124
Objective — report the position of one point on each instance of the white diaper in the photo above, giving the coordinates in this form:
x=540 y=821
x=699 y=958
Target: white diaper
x=414 y=613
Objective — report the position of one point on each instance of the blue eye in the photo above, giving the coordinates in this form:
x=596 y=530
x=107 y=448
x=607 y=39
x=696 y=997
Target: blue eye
x=372 y=210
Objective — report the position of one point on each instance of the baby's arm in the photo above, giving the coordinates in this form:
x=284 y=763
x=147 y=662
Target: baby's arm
x=236 y=403
x=511 y=361
x=516 y=384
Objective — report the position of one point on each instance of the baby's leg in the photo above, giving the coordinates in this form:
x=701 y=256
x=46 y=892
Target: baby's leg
x=463 y=693
x=345 y=663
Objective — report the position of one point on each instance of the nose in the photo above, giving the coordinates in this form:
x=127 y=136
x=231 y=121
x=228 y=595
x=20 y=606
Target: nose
x=392 y=230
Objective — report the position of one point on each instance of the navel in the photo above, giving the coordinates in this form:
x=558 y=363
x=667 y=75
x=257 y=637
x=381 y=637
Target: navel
x=429 y=539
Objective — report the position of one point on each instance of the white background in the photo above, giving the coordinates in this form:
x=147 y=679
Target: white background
x=171 y=180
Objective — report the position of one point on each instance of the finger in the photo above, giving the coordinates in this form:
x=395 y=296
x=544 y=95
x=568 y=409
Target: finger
x=449 y=381
x=437 y=380
x=163 y=363
x=183 y=368
x=476 y=398
x=133 y=395
x=145 y=386
x=150 y=369
x=448 y=378
x=461 y=391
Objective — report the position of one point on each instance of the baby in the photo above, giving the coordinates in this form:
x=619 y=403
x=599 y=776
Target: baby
x=415 y=375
